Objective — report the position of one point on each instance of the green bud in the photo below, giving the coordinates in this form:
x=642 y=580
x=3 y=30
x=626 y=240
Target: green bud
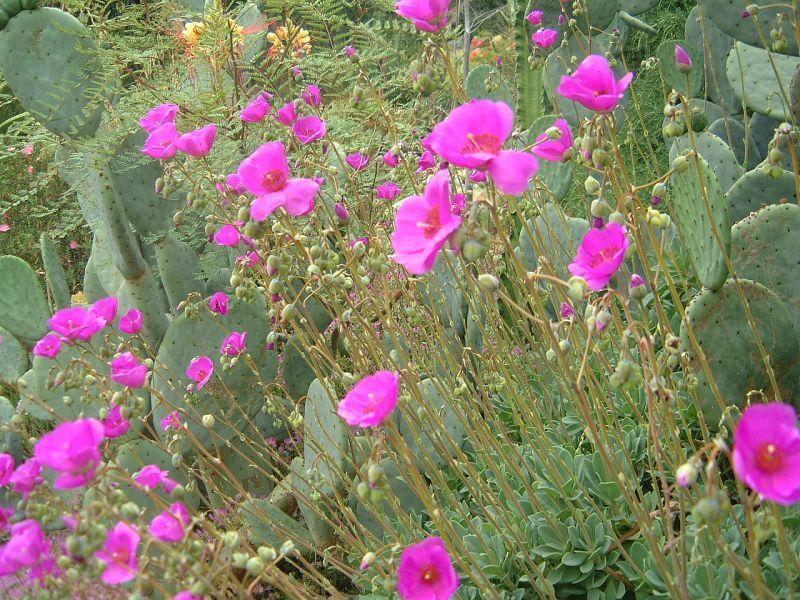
x=287 y=548
x=708 y=511
x=208 y=421
x=362 y=489
x=255 y=566
x=130 y=511
x=239 y=560
x=660 y=190
x=577 y=288
x=375 y=473
x=617 y=217
x=267 y=554
x=231 y=539
x=289 y=312
x=488 y=282
x=473 y=250
x=591 y=185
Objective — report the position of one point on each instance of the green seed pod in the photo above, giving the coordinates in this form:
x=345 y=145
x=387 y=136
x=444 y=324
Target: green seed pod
x=488 y=282
x=239 y=560
x=287 y=548
x=231 y=539
x=209 y=421
x=591 y=185
x=708 y=511
x=267 y=554
x=255 y=566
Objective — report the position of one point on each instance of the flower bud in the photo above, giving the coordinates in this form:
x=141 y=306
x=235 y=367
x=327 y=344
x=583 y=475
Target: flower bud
x=287 y=548
x=686 y=474
x=341 y=212
x=591 y=185
x=267 y=553
x=683 y=61
x=368 y=561
x=231 y=539
x=577 y=288
x=600 y=208
x=208 y=421
x=255 y=566
x=488 y=282
x=708 y=511
x=637 y=287
x=751 y=10
x=554 y=133
x=239 y=560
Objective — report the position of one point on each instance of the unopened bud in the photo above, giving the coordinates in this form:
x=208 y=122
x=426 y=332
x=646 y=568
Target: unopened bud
x=686 y=474
x=488 y=282
x=368 y=560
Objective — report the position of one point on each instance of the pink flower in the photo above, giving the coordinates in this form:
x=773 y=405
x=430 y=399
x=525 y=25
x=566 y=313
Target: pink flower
x=6 y=468
x=233 y=183
x=371 y=400
x=6 y=512
x=158 y=116
x=594 y=85
x=4 y=227
x=219 y=303
x=473 y=136
x=391 y=159
x=257 y=110
x=151 y=476
x=567 y=311
x=160 y=144
x=28 y=150
x=535 y=17
x=459 y=203
x=73 y=245
x=131 y=322
x=227 y=235
x=683 y=61
x=388 y=191
x=423 y=225
x=234 y=344
x=312 y=95
x=119 y=554
x=128 y=371
x=26 y=477
x=357 y=160
x=341 y=212
x=76 y=323
x=310 y=129
x=171 y=525
x=115 y=425
x=544 y=38
x=287 y=114
x=265 y=174
x=106 y=309
x=250 y=259
x=27 y=547
x=426 y=161
x=72 y=449
x=426 y=572
x=349 y=51
x=600 y=255
x=186 y=595
x=200 y=370
x=477 y=177
x=198 y=142
x=426 y=15
x=48 y=347
x=554 y=150
x=766 y=452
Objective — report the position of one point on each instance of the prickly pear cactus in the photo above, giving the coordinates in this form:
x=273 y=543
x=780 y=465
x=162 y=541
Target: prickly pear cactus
x=56 y=278
x=13 y=358
x=756 y=189
x=24 y=310
x=598 y=14
x=719 y=323
x=54 y=45
x=481 y=82
x=727 y=15
x=716 y=152
x=178 y=269
x=673 y=76
x=636 y=7
x=733 y=133
x=699 y=207
x=267 y=525
x=766 y=246
x=552 y=230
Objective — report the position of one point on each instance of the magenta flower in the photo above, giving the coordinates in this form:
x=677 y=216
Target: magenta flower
x=76 y=323
x=218 y=303
x=115 y=425
x=256 y=110
x=287 y=114
x=233 y=183
x=26 y=477
x=131 y=322
x=459 y=203
x=6 y=468
x=600 y=255
x=682 y=59
x=72 y=449
x=371 y=401
x=6 y=512
x=349 y=51
x=158 y=116
x=554 y=150
x=426 y=161
x=48 y=347
x=106 y=309
x=200 y=370
x=545 y=38
x=594 y=84
x=341 y=212
x=473 y=136
x=160 y=144
x=477 y=176
x=119 y=554
x=391 y=159
x=186 y=595
x=265 y=174
x=309 y=129
x=426 y=572
x=388 y=191
x=312 y=96
x=234 y=344
x=357 y=161
x=766 y=452
x=423 y=225
x=535 y=17
x=128 y=371
x=27 y=547
x=567 y=311
x=172 y=524
x=198 y=142
x=151 y=476
x=227 y=235
x=426 y=15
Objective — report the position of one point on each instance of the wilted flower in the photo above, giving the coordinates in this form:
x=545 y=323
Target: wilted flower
x=72 y=449
x=535 y=17
x=312 y=95
x=119 y=554
x=227 y=235
x=115 y=425
x=388 y=191
x=200 y=370
x=473 y=136
x=545 y=38
x=766 y=452
x=426 y=161
x=357 y=160
x=371 y=400
x=198 y=142
x=600 y=255
x=341 y=212
x=128 y=371
x=594 y=84
x=423 y=225
x=566 y=310
x=426 y=572
x=390 y=159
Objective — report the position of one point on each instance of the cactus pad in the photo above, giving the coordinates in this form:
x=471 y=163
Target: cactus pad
x=178 y=267
x=556 y=232
x=697 y=218
x=756 y=190
x=636 y=7
x=24 y=310
x=720 y=326
x=674 y=78
x=732 y=132
x=754 y=80
x=476 y=85
x=13 y=358
x=766 y=246
x=727 y=15
x=55 y=276
x=599 y=14
x=717 y=154
x=715 y=45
